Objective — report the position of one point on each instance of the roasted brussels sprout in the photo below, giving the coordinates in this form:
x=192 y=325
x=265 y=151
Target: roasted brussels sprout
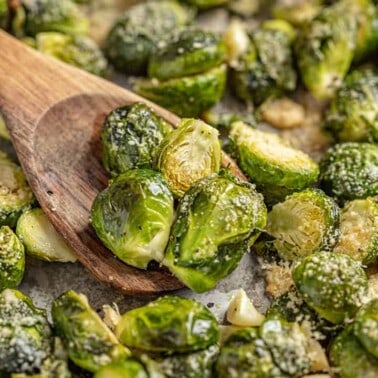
x=169 y=324
x=190 y=51
x=130 y=138
x=189 y=153
x=306 y=222
x=15 y=194
x=141 y=30
x=266 y=69
x=189 y=365
x=325 y=49
x=40 y=238
x=217 y=221
x=12 y=259
x=365 y=326
x=186 y=96
x=89 y=342
x=350 y=358
x=353 y=112
x=297 y=12
x=205 y=4
x=36 y=16
x=25 y=334
x=359 y=231
x=333 y=284
x=76 y=50
x=276 y=168
x=133 y=216
x=350 y=171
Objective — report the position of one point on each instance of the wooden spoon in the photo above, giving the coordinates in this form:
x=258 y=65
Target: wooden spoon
x=54 y=113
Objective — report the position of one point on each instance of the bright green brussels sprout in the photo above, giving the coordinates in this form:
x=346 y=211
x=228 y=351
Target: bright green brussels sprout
x=205 y=4
x=12 y=259
x=89 y=342
x=169 y=324
x=306 y=222
x=288 y=345
x=350 y=358
x=297 y=12
x=130 y=138
x=218 y=219
x=189 y=153
x=40 y=238
x=190 y=51
x=266 y=69
x=349 y=171
x=359 y=231
x=245 y=355
x=76 y=50
x=186 y=96
x=25 y=334
x=353 y=112
x=49 y=15
x=133 y=216
x=366 y=325
x=189 y=365
x=325 y=49
x=271 y=163
x=141 y=30
x=15 y=194
x=333 y=284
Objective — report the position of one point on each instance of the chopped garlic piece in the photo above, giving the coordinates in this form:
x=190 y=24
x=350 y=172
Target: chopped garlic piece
x=242 y=312
x=236 y=40
x=111 y=315
x=319 y=361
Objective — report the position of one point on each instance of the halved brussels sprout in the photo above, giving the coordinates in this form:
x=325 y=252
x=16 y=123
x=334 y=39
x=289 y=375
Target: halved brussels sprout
x=186 y=96
x=40 y=238
x=366 y=325
x=333 y=284
x=12 y=259
x=89 y=342
x=359 y=231
x=325 y=49
x=189 y=153
x=169 y=324
x=205 y=4
x=76 y=50
x=217 y=221
x=353 y=113
x=15 y=194
x=266 y=69
x=190 y=51
x=276 y=168
x=297 y=12
x=130 y=138
x=133 y=216
x=25 y=334
x=141 y=30
x=350 y=358
x=349 y=171
x=49 y=15
x=189 y=365
x=306 y=222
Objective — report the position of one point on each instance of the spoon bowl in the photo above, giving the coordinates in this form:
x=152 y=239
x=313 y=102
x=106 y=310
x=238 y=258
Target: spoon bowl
x=54 y=113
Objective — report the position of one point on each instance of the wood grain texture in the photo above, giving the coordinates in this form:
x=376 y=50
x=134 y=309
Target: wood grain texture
x=54 y=113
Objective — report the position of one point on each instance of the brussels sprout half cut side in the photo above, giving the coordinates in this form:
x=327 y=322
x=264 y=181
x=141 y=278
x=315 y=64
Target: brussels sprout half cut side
x=217 y=221
x=189 y=153
x=276 y=168
x=169 y=324
x=133 y=216
x=89 y=342
x=306 y=222
x=12 y=259
x=334 y=285
x=130 y=138
x=15 y=194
